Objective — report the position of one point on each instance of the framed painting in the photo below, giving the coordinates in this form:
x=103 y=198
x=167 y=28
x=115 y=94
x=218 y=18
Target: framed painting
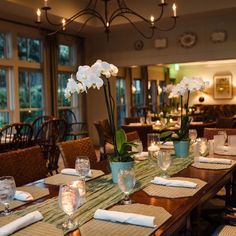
x=223 y=87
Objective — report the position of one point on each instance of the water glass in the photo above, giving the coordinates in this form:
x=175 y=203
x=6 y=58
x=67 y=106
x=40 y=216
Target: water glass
x=193 y=135
x=7 y=193
x=222 y=132
x=203 y=146
x=164 y=161
x=138 y=148
x=82 y=166
x=68 y=201
x=126 y=183
x=153 y=141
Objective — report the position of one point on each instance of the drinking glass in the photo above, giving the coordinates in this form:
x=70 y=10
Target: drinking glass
x=164 y=121
x=138 y=147
x=193 y=135
x=82 y=166
x=68 y=201
x=142 y=120
x=126 y=183
x=164 y=161
x=222 y=132
x=202 y=146
x=153 y=141
x=7 y=192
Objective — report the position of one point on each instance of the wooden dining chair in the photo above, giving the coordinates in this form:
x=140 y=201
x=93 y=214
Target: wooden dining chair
x=15 y=136
x=142 y=131
x=105 y=138
x=36 y=124
x=25 y=165
x=210 y=132
x=132 y=136
x=71 y=149
x=50 y=133
x=75 y=129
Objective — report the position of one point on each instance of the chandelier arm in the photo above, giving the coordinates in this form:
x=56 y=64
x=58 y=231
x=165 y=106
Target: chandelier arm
x=49 y=21
x=122 y=11
x=161 y=13
x=170 y=28
x=138 y=30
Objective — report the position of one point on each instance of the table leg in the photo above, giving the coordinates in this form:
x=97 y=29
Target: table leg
x=233 y=196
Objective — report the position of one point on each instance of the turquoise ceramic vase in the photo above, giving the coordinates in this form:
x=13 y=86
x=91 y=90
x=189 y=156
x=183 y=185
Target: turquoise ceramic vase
x=181 y=148
x=117 y=166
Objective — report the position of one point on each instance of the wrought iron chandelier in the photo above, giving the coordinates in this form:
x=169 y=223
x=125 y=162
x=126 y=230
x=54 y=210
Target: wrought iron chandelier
x=122 y=11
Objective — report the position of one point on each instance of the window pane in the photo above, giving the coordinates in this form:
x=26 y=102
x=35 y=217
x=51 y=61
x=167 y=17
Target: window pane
x=22 y=48
x=4 y=118
x=137 y=93
x=64 y=55
x=36 y=90
x=29 y=116
x=24 y=89
x=2 y=45
x=34 y=50
x=30 y=89
x=3 y=89
x=121 y=100
x=62 y=82
x=29 y=49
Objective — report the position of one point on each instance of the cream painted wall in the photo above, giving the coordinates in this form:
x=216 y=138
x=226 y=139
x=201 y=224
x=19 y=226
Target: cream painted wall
x=207 y=72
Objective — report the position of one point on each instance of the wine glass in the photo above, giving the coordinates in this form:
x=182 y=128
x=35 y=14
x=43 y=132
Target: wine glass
x=7 y=192
x=193 y=135
x=68 y=201
x=164 y=161
x=126 y=183
x=82 y=166
x=202 y=146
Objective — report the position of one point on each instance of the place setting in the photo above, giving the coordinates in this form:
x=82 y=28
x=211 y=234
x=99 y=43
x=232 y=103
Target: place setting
x=12 y=196
x=204 y=157
x=126 y=218
x=82 y=169
x=163 y=185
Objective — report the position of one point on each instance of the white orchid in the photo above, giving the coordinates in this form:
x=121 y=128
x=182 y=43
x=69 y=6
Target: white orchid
x=87 y=77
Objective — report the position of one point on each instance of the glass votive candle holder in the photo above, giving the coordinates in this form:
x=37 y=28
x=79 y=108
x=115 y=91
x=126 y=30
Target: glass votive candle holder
x=153 y=141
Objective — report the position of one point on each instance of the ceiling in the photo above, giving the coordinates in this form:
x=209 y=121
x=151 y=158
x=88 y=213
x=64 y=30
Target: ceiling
x=25 y=10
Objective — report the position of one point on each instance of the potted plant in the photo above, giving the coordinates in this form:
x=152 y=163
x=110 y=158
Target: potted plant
x=183 y=89
x=123 y=159
x=96 y=76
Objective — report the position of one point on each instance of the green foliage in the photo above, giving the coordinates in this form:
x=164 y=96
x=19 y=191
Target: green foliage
x=123 y=148
x=180 y=135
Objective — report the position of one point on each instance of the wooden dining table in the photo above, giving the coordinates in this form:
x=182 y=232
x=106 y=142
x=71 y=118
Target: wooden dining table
x=181 y=209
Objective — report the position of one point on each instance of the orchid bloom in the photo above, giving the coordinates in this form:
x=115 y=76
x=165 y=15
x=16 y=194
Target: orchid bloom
x=87 y=77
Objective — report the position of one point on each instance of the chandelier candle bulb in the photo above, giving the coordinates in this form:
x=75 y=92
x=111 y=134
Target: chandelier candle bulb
x=38 y=15
x=45 y=3
x=174 y=10
x=162 y=1
x=152 y=20
x=63 y=21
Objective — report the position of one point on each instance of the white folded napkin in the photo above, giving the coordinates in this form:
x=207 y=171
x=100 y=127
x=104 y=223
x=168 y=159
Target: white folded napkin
x=141 y=156
x=23 y=196
x=173 y=182
x=168 y=143
x=128 y=218
x=22 y=222
x=214 y=160
x=71 y=171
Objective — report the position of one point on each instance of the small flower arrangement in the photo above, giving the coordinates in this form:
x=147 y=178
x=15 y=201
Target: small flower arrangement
x=183 y=89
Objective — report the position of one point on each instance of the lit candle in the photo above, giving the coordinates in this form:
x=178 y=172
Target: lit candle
x=162 y=1
x=63 y=21
x=45 y=3
x=38 y=15
x=174 y=9
x=152 y=20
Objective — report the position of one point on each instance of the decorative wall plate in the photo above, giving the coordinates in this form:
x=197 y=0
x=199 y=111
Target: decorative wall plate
x=188 y=40
x=138 y=45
